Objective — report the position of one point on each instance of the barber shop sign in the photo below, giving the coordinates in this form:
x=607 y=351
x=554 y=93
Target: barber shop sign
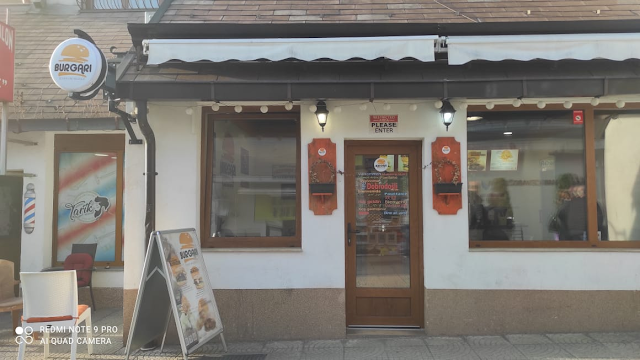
x=88 y=207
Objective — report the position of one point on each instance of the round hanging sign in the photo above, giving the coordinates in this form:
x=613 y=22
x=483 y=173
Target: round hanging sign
x=77 y=65
x=446 y=150
x=322 y=151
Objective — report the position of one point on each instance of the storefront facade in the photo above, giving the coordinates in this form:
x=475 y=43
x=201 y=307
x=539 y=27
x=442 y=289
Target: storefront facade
x=537 y=239
x=538 y=231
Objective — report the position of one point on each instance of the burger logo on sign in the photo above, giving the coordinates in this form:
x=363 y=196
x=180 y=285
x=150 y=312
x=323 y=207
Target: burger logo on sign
x=77 y=65
x=74 y=61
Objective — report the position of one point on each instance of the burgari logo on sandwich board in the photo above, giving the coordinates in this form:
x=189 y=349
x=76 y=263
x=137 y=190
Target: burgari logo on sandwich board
x=76 y=65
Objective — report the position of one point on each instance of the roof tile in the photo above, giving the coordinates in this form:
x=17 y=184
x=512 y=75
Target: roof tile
x=37 y=35
x=397 y=10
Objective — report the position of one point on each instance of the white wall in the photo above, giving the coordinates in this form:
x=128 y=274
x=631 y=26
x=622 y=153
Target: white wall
x=449 y=264
x=39 y=160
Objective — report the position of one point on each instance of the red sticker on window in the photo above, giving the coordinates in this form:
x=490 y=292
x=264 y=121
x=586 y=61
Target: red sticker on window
x=578 y=117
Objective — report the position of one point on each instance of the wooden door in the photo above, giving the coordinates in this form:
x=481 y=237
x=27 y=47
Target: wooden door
x=383 y=240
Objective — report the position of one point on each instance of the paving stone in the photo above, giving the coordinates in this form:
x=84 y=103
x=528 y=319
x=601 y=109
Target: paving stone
x=438 y=341
x=589 y=351
x=409 y=353
x=543 y=351
x=322 y=344
x=285 y=355
x=625 y=351
x=570 y=338
x=615 y=337
x=365 y=353
x=498 y=352
x=528 y=339
x=279 y=346
x=246 y=347
x=486 y=340
x=323 y=353
x=453 y=351
x=364 y=343
x=404 y=342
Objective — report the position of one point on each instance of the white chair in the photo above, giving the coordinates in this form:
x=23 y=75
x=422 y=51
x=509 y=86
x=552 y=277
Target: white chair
x=51 y=300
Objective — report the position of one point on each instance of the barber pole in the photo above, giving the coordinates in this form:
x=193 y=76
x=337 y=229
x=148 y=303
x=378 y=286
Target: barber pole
x=29 y=209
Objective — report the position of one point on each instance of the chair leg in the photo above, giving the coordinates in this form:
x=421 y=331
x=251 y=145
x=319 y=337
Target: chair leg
x=46 y=344
x=74 y=344
x=92 y=301
x=15 y=319
x=89 y=333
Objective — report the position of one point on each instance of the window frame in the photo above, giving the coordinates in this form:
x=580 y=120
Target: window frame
x=90 y=143
x=590 y=177
x=207 y=148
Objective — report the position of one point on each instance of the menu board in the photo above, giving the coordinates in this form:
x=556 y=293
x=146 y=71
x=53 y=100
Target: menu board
x=477 y=160
x=192 y=298
x=504 y=160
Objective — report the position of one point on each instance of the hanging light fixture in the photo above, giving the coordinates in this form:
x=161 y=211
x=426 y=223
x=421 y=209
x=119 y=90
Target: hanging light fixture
x=447 y=112
x=322 y=114
x=288 y=106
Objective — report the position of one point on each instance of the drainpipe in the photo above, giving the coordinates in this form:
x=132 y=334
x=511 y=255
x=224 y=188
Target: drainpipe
x=150 y=172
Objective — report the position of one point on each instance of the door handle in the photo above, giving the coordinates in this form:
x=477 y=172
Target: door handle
x=349 y=232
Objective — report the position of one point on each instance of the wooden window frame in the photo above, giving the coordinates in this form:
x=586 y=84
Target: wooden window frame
x=91 y=143
x=590 y=173
x=248 y=113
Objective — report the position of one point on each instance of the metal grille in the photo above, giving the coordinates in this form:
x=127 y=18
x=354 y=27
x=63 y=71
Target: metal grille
x=119 y=4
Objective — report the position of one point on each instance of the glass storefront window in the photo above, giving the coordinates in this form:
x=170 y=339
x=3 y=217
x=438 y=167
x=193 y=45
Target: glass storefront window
x=253 y=186
x=618 y=176
x=526 y=177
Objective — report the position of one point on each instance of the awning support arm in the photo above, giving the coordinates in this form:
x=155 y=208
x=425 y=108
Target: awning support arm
x=126 y=120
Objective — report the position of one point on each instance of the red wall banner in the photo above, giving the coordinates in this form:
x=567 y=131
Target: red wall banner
x=7 y=53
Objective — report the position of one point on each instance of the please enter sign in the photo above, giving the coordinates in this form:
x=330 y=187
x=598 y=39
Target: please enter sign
x=383 y=124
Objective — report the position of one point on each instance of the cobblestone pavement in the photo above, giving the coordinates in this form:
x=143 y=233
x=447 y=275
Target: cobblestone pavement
x=591 y=346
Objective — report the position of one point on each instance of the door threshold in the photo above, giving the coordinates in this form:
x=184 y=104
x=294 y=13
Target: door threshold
x=383 y=331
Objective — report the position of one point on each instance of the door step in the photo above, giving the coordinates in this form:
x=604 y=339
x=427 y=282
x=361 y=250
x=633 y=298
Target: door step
x=368 y=331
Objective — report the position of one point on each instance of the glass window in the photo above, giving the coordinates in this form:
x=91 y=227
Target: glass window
x=253 y=187
x=618 y=176
x=526 y=176
x=88 y=212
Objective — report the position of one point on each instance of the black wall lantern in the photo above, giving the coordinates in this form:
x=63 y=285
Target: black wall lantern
x=322 y=114
x=447 y=112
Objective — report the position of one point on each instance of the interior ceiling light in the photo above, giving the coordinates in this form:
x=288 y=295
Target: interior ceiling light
x=474 y=118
